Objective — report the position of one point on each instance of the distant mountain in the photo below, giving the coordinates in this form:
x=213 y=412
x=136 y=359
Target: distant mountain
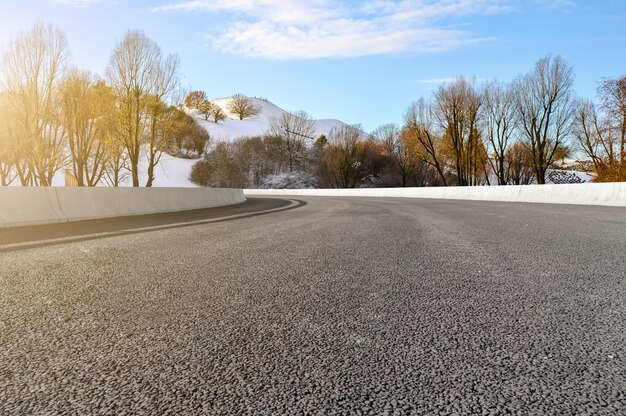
x=232 y=128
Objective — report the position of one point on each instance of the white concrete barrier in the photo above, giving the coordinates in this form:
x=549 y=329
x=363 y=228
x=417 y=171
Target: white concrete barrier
x=29 y=206
x=34 y=206
x=609 y=194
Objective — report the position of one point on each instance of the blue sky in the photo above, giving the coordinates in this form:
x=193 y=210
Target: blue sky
x=358 y=61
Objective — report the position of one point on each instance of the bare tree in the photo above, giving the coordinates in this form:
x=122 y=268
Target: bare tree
x=165 y=85
x=117 y=169
x=403 y=151
x=185 y=134
x=545 y=108
x=32 y=67
x=519 y=164
x=418 y=124
x=210 y=109
x=498 y=114
x=131 y=73
x=260 y=157
x=457 y=108
x=85 y=105
x=217 y=113
x=16 y=155
x=344 y=157
x=206 y=108
x=243 y=106
x=8 y=146
x=96 y=142
x=221 y=167
x=601 y=130
x=590 y=131
x=613 y=95
x=295 y=129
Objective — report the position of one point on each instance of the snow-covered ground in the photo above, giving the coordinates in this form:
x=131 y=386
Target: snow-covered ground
x=170 y=172
x=232 y=128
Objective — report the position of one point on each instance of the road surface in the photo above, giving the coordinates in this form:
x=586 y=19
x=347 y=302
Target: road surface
x=320 y=306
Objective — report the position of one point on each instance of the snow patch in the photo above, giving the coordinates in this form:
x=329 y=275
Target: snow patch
x=233 y=129
x=289 y=180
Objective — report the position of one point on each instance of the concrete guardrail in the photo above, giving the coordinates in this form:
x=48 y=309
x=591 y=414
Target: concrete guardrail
x=610 y=194
x=20 y=206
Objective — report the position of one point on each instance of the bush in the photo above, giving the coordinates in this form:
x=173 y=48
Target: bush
x=187 y=137
x=289 y=180
x=220 y=168
x=195 y=98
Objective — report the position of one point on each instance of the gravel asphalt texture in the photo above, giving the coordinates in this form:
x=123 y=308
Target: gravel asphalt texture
x=328 y=306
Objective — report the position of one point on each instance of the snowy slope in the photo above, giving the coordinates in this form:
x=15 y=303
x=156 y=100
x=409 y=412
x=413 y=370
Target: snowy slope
x=232 y=128
x=171 y=172
x=174 y=172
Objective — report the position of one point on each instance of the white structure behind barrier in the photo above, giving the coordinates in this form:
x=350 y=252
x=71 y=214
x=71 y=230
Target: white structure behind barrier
x=32 y=206
x=611 y=194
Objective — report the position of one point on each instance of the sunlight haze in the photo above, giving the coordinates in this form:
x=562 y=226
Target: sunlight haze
x=358 y=61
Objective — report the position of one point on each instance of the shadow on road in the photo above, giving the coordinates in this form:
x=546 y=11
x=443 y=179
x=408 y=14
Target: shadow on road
x=20 y=238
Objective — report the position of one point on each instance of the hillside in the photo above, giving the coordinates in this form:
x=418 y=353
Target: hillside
x=174 y=172
x=232 y=128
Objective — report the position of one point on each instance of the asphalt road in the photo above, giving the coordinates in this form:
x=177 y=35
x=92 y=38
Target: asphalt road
x=323 y=306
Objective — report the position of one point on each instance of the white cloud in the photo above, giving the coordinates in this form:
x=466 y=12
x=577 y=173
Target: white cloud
x=446 y=80
x=78 y=3
x=284 y=11
x=436 y=81
x=301 y=29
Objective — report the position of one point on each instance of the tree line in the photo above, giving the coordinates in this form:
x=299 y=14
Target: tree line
x=54 y=116
x=465 y=134
x=289 y=155
x=240 y=105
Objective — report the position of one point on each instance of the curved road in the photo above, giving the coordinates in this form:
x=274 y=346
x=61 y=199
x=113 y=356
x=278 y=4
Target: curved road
x=321 y=306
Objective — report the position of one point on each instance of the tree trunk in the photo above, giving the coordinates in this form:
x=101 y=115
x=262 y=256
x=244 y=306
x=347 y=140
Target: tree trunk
x=134 y=167
x=540 y=173
x=151 y=161
x=80 y=174
x=501 y=173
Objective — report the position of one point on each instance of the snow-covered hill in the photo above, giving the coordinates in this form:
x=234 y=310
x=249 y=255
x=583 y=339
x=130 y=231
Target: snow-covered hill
x=174 y=172
x=232 y=128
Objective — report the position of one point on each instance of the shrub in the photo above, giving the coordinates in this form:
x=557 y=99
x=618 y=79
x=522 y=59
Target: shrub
x=219 y=169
